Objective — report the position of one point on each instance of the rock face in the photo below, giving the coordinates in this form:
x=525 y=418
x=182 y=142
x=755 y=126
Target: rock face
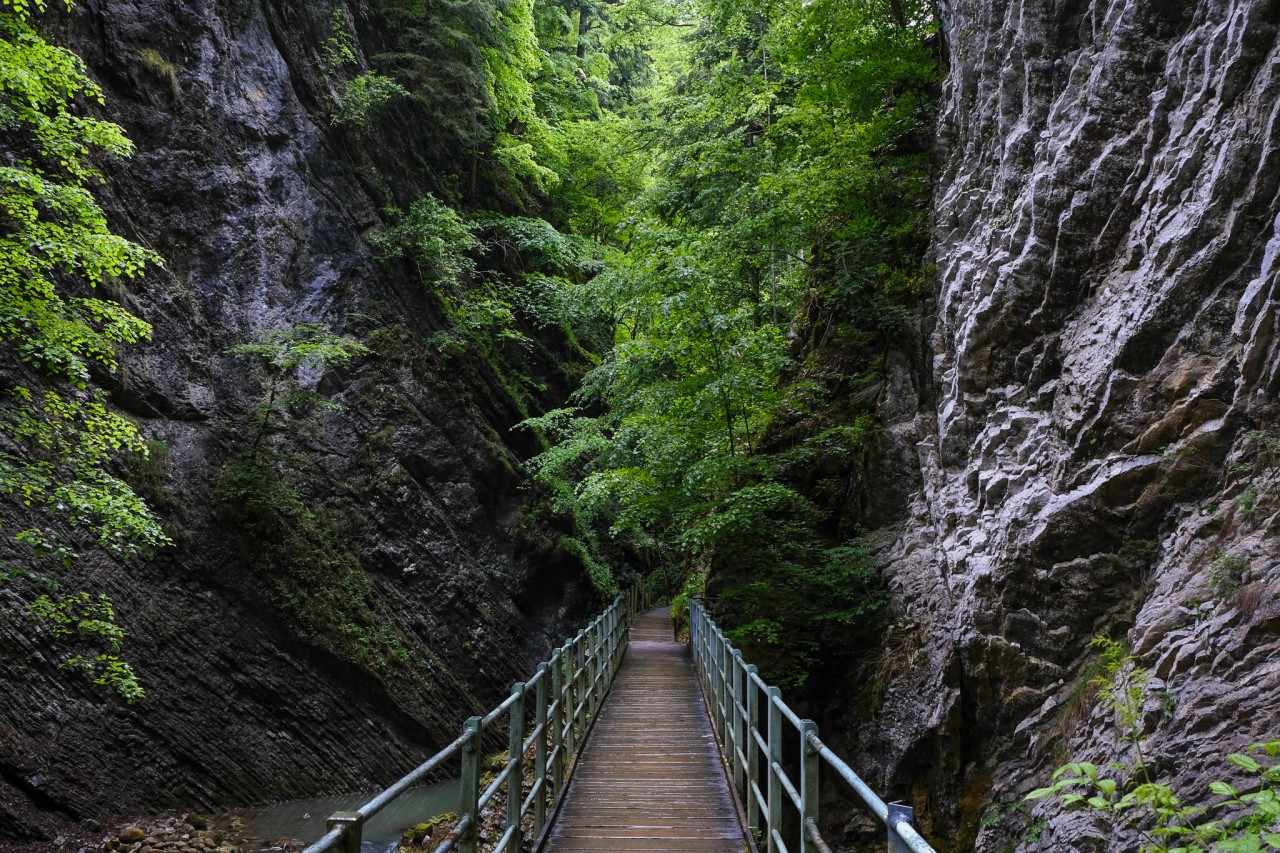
x=414 y=534
x=1102 y=456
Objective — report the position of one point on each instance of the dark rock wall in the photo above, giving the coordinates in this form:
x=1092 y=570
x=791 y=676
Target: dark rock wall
x=1103 y=354
x=260 y=207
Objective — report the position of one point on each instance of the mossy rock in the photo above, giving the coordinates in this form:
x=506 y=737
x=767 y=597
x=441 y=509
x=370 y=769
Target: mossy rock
x=429 y=834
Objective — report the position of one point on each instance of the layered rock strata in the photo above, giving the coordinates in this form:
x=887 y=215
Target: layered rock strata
x=1099 y=442
x=439 y=598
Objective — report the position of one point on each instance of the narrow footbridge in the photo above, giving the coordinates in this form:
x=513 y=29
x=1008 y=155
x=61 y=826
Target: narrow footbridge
x=625 y=740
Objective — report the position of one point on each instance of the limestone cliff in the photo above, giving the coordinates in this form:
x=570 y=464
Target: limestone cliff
x=1098 y=434
x=422 y=597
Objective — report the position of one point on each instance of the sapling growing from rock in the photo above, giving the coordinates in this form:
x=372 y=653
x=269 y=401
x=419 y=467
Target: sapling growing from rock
x=1132 y=799
x=282 y=353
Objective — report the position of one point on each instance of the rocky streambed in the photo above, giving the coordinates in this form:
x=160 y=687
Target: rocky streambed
x=172 y=834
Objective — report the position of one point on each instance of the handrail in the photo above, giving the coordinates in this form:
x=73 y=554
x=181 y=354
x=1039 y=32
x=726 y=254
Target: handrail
x=733 y=689
x=567 y=693
x=638 y=598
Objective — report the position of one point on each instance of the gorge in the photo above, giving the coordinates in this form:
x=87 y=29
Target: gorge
x=1049 y=415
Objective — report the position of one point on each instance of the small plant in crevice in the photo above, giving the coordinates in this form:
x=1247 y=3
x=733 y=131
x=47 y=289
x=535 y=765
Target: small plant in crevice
x=283 y=354
x=87 y=624
x=339 y=49
x=1227 y=573
x=363 y=95
x=1129 y=798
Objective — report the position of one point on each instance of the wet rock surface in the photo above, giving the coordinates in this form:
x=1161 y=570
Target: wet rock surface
x=442 y=595
x=1101 y=458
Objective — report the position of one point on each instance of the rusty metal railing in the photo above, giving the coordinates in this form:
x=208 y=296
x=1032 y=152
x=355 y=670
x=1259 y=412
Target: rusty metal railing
x=566 y=693
x=738 y=697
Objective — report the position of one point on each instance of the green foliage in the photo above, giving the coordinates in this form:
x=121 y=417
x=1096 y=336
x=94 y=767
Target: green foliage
x=339 y=49
x=1122 y=687
x=89 y=622
x=433 y=237
x=1227 y=573
x=364 y=95
x=55 y=248
x=778 y=179
x=1150 y=807
x=282 y=352
x=693 y=589
x=1237 y=823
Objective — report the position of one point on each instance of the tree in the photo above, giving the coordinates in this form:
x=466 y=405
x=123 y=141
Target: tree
x=282 y=352
x=783 y=214
x=57 y=433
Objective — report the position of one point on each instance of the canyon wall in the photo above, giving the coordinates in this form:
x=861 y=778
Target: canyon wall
x=425 y=589
x=1097 y=426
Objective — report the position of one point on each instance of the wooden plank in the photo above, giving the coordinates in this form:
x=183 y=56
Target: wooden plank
x=650 y=778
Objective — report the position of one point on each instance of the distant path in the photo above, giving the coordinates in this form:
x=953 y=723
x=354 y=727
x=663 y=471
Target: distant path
x=650 y=777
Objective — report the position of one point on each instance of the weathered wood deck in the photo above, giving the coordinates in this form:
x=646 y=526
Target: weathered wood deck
x=650 y=778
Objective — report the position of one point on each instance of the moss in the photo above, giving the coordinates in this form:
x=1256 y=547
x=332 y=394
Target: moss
x=602 y=579
x=153 y=60
x=299 y=552
x=428 y=834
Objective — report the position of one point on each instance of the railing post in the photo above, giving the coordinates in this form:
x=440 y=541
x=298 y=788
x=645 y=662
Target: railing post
x=773 y=697
x=540 y=750
x=753 y=749
x=726 y=689
x=898 y=813
x=714 y=660
x=597 y=667
x=470 y=786
x=354 y=830
x=515 y=760
x=808 y=784
x=558 y=764
x=694 y=635
x=580 y=688
x=740 y=743
x=619 y=641
x=570 y=702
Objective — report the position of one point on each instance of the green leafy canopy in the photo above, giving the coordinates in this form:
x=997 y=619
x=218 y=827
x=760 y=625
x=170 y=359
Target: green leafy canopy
x=55 y=248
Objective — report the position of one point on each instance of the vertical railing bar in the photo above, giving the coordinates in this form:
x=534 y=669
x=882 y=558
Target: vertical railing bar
x=352 y=824
x=898 y=813
x=808 y=783
x=470 y=793
x=726 y=692
x=557 y=714
x=515 y=760
x=753 y=748
x=581 y=689
x=739 y=767
x=540 y=749
x=773 y=696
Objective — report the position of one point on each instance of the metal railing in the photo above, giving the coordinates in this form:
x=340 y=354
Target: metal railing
x=638 y=598
x=737 y=698
x=566 y=693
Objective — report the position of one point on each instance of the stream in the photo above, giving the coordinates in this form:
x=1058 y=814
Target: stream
x=305 y=819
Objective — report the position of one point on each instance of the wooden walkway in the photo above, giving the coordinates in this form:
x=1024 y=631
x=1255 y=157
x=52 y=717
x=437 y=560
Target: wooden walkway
x=650 y=777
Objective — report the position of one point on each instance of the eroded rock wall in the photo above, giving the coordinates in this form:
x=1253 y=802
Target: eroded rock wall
x=1106 y=369
x=260 y=207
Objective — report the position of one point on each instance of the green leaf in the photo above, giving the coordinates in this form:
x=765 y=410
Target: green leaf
x=1245 y=762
